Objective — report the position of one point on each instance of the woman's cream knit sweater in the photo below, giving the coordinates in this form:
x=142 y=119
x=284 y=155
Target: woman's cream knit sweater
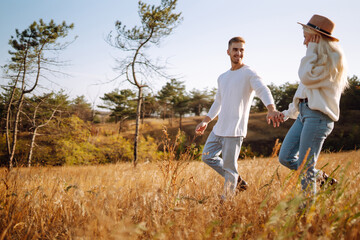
x=318 y=85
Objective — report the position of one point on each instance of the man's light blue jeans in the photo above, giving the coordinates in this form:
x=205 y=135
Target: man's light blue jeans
x=308 y=131
x=227 y=165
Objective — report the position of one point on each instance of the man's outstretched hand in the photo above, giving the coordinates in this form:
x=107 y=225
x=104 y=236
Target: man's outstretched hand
x=201 y=127
x=274 y=116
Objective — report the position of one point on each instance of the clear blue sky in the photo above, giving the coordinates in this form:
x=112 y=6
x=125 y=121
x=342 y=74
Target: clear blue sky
x=196 y=51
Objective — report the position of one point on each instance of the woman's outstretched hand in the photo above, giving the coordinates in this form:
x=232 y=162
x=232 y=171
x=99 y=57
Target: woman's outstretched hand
x=315 y=38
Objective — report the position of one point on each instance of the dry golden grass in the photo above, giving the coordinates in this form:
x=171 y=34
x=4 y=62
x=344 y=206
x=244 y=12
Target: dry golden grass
x=156 y=201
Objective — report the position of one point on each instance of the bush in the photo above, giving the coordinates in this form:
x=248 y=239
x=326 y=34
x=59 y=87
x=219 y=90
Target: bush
x=148 y=149
x=21 y=152
x=75 y=153
x=97 y=119
x=75 y=145
x=114 y=148
x=3 y=150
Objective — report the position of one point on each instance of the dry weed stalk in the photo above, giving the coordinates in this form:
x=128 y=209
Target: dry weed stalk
x=276 y=149
x=173 y=162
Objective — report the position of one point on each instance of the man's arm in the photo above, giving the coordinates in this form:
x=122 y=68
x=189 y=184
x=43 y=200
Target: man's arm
x=213 y=112
x=263 y=92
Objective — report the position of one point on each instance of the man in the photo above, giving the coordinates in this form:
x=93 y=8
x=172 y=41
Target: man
x=236 y=88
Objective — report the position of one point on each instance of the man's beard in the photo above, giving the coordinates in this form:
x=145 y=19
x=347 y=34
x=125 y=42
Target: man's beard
x=236 y=61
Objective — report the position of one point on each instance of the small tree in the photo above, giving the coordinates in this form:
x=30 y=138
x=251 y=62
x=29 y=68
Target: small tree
x=150 y=106
x=174 y=98
x=164 y=100
x=181 y=106
x=2 y=113
x=27 y=63
x=166 y=97
x=42 y=113
x=81 y=108
x=284 y=95
x=121 y=104
x=200 y=101
x=157 y=22
x=351 y=97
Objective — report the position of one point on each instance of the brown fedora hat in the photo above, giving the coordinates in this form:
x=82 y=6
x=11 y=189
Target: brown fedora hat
x=322 y=25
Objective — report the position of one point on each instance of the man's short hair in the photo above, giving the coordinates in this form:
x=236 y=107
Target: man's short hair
x=236 y=40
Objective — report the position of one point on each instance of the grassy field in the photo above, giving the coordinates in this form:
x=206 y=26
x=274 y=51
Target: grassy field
x=177 y=200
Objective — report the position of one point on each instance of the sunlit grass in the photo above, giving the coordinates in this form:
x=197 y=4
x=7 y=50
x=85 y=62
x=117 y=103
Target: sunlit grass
x=123 y=202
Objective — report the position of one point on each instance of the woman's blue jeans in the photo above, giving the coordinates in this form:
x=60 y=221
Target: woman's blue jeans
x=309 y=131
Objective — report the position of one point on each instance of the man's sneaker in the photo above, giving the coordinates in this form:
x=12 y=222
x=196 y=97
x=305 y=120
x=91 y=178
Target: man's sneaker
x=324 y=178
x=241 y=184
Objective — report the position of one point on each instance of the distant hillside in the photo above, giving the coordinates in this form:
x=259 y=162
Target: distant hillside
x=261 y=137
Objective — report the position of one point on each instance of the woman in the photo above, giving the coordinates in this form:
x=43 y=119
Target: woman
x=315 y=105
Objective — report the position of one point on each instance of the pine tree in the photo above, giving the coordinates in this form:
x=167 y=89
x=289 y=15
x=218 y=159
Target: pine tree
x=157 y=22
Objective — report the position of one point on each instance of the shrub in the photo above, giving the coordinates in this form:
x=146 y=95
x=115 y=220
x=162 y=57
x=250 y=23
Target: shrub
x=114 y=148
x=148 y=149
x=76 y=153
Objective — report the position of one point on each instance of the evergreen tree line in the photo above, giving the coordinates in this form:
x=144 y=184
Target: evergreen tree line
x=172 y=100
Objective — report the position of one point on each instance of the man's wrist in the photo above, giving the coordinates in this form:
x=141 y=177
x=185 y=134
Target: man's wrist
x=206 y=120
x=271 y=108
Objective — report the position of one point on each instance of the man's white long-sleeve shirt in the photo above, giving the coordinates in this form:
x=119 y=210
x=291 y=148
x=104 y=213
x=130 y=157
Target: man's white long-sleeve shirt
x=233 y=100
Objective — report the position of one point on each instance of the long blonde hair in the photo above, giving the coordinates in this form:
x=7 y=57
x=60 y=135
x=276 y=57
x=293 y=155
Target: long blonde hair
x=331 y=55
